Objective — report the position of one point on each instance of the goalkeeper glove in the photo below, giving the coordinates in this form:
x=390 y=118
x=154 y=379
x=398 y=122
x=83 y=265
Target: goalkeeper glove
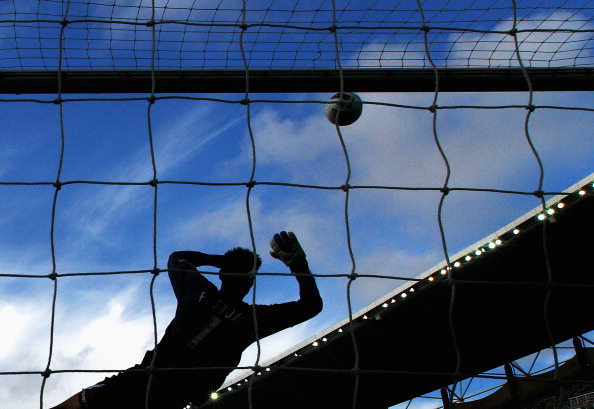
x=286 y=248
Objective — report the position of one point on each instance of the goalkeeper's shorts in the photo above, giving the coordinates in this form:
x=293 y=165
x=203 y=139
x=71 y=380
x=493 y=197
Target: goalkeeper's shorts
x=128 y=389
x=124 y=390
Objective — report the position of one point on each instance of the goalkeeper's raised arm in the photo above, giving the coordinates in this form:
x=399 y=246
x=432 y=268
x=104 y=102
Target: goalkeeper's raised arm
x=286 y=248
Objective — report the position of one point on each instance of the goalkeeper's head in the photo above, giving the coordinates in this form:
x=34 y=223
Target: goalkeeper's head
x=235 y=274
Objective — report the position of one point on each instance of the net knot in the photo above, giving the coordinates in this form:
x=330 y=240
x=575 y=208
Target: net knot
x=353 y=276
x=154 y=182
x=432 y=109
x=57 y=101
x=53 y=276
x=150 y=369
x=58 y=185
x=244 y=27
x=530 y=108
x=538 y=193
x=345 y=187
x=245 y=101
x=513 y=32
x=64 y=22
x=445 y=190
x=333 y=28
x=251 y=184
x=156 y=271
x=425 y=28
x=152 y=99
x=151 y=23
x=46 y=374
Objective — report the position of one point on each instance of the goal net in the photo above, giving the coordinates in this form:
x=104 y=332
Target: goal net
x=131 y=129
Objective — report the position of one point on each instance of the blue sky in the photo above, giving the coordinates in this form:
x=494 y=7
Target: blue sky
x=105 y=322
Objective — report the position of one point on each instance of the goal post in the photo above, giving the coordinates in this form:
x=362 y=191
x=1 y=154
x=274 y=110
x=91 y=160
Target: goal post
x=296 y=81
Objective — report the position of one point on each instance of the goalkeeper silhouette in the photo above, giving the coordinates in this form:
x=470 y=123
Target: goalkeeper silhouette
x=210 y=330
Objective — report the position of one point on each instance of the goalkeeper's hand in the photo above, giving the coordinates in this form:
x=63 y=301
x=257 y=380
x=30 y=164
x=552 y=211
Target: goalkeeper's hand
x=286 y=248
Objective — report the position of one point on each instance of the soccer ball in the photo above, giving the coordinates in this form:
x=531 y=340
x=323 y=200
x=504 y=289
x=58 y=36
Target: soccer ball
x=344 y=111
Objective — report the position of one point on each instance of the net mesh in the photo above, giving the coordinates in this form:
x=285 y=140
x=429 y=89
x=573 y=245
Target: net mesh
x=290 y=34
x=58 y=36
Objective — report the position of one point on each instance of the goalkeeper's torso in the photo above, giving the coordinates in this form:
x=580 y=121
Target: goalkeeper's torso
x=209 y=331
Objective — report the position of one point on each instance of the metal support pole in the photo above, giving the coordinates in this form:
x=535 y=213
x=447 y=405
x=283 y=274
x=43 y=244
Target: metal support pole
x=278 y=81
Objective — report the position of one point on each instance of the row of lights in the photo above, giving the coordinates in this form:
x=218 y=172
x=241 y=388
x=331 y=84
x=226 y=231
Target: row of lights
x=230 y=388
x=545 y=215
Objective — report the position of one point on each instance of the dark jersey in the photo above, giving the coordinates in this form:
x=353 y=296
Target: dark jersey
x=205 y=340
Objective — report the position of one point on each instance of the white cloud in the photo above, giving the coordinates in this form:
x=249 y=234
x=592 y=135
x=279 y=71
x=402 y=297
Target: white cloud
x=10 y=147
x=395 y=147
x=271 y=347
x=555 y=42
x=281 y=138
x=420 y=403
x=197 y=43
x=227 y=222
x=142 y=9
x=90 y=333
x=13 y=321
x=387 y=261
x=103 y=334
x=391 y=55
x=224 y=224
x=537 y=49
x=306 y=148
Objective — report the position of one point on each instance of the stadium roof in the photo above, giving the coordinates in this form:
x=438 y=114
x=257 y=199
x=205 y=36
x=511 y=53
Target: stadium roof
x=522 y=390
x=518 y=291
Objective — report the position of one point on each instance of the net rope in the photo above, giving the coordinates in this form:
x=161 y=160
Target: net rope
x=193 y=35
x=67 y=22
